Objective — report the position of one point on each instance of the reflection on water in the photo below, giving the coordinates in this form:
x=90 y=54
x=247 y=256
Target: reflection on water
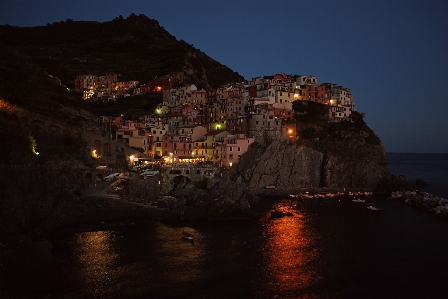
x=97 y=253
x=327 y=249
x=290 y=254
x=258 y=258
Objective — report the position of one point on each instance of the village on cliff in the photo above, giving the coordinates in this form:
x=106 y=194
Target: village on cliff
x=218 y=125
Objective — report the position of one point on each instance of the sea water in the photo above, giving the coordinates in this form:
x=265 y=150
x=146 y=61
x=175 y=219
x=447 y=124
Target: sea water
x=431 y=168
x=329 y=248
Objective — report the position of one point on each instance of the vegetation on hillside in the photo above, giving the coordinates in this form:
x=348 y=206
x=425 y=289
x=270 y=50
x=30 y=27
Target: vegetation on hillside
x=25 y=84
x=15 y=137
x=130 y=107
x=314 y=130
x=136 y=48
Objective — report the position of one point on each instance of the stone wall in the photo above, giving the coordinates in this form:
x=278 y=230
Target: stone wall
x=184 y=173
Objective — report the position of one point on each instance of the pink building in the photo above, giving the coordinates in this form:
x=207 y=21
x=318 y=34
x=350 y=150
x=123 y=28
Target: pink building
x=339 y=113
x=177 y=147
x=233 y=147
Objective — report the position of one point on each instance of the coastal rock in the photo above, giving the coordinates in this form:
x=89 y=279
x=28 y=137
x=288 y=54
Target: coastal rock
x=225 y=199
x=420 y=183
x=422 y=200
x=394 y=183
x=276 y=215
x=290 y=166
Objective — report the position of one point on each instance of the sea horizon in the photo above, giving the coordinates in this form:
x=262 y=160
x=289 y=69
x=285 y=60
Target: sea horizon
x=432 y=168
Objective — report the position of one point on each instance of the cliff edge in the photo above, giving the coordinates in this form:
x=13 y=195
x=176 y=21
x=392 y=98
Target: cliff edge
x=321 y=154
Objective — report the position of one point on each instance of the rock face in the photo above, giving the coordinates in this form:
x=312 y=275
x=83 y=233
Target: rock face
x=286 y=166
x=420 y=183
x=291 y=166
x=226 y=199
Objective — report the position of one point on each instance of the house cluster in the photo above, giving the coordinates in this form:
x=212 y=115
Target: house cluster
x=107 y=87
x=220 y=124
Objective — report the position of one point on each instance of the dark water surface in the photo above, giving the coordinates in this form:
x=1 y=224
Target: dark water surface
x=330 y=248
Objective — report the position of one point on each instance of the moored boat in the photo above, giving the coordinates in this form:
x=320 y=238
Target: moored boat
x=187 y=236
x=358 y=200
x=371 y=208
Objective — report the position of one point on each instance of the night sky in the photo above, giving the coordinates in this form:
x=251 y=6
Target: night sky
x=393 y=55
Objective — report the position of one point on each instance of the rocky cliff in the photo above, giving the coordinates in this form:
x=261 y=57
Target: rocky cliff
x=321 y=154
x=289 y=165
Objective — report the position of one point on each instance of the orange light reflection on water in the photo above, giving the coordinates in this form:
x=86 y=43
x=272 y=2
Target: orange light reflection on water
x=97 y=253
x=290 y=253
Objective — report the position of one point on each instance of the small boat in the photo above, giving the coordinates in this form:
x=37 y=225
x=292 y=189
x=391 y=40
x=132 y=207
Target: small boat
x=371 y=208
x=187 y=236
x=358 y=200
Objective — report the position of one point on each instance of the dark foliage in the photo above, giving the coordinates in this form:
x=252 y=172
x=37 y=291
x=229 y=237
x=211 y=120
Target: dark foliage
x=136 y=48
x=14 y=138
x=316 y=131
x=131 y=107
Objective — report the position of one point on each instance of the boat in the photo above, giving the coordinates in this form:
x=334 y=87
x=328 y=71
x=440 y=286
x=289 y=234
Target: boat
x=187 y=236
x=358 y=200
x=371 y=208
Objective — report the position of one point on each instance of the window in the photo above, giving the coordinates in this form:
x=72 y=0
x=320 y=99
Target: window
x=231 y=148
x=239 y=149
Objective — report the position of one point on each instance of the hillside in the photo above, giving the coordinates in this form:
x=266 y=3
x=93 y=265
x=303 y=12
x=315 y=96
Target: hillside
x=136 y=48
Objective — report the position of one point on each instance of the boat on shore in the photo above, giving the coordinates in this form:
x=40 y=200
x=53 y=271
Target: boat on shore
x=371 y=208
x=187 y=236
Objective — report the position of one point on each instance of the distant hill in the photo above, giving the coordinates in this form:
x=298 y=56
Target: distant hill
x=136 y=48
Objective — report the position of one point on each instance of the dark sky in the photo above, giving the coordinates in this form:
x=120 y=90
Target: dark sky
x=392 y=54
